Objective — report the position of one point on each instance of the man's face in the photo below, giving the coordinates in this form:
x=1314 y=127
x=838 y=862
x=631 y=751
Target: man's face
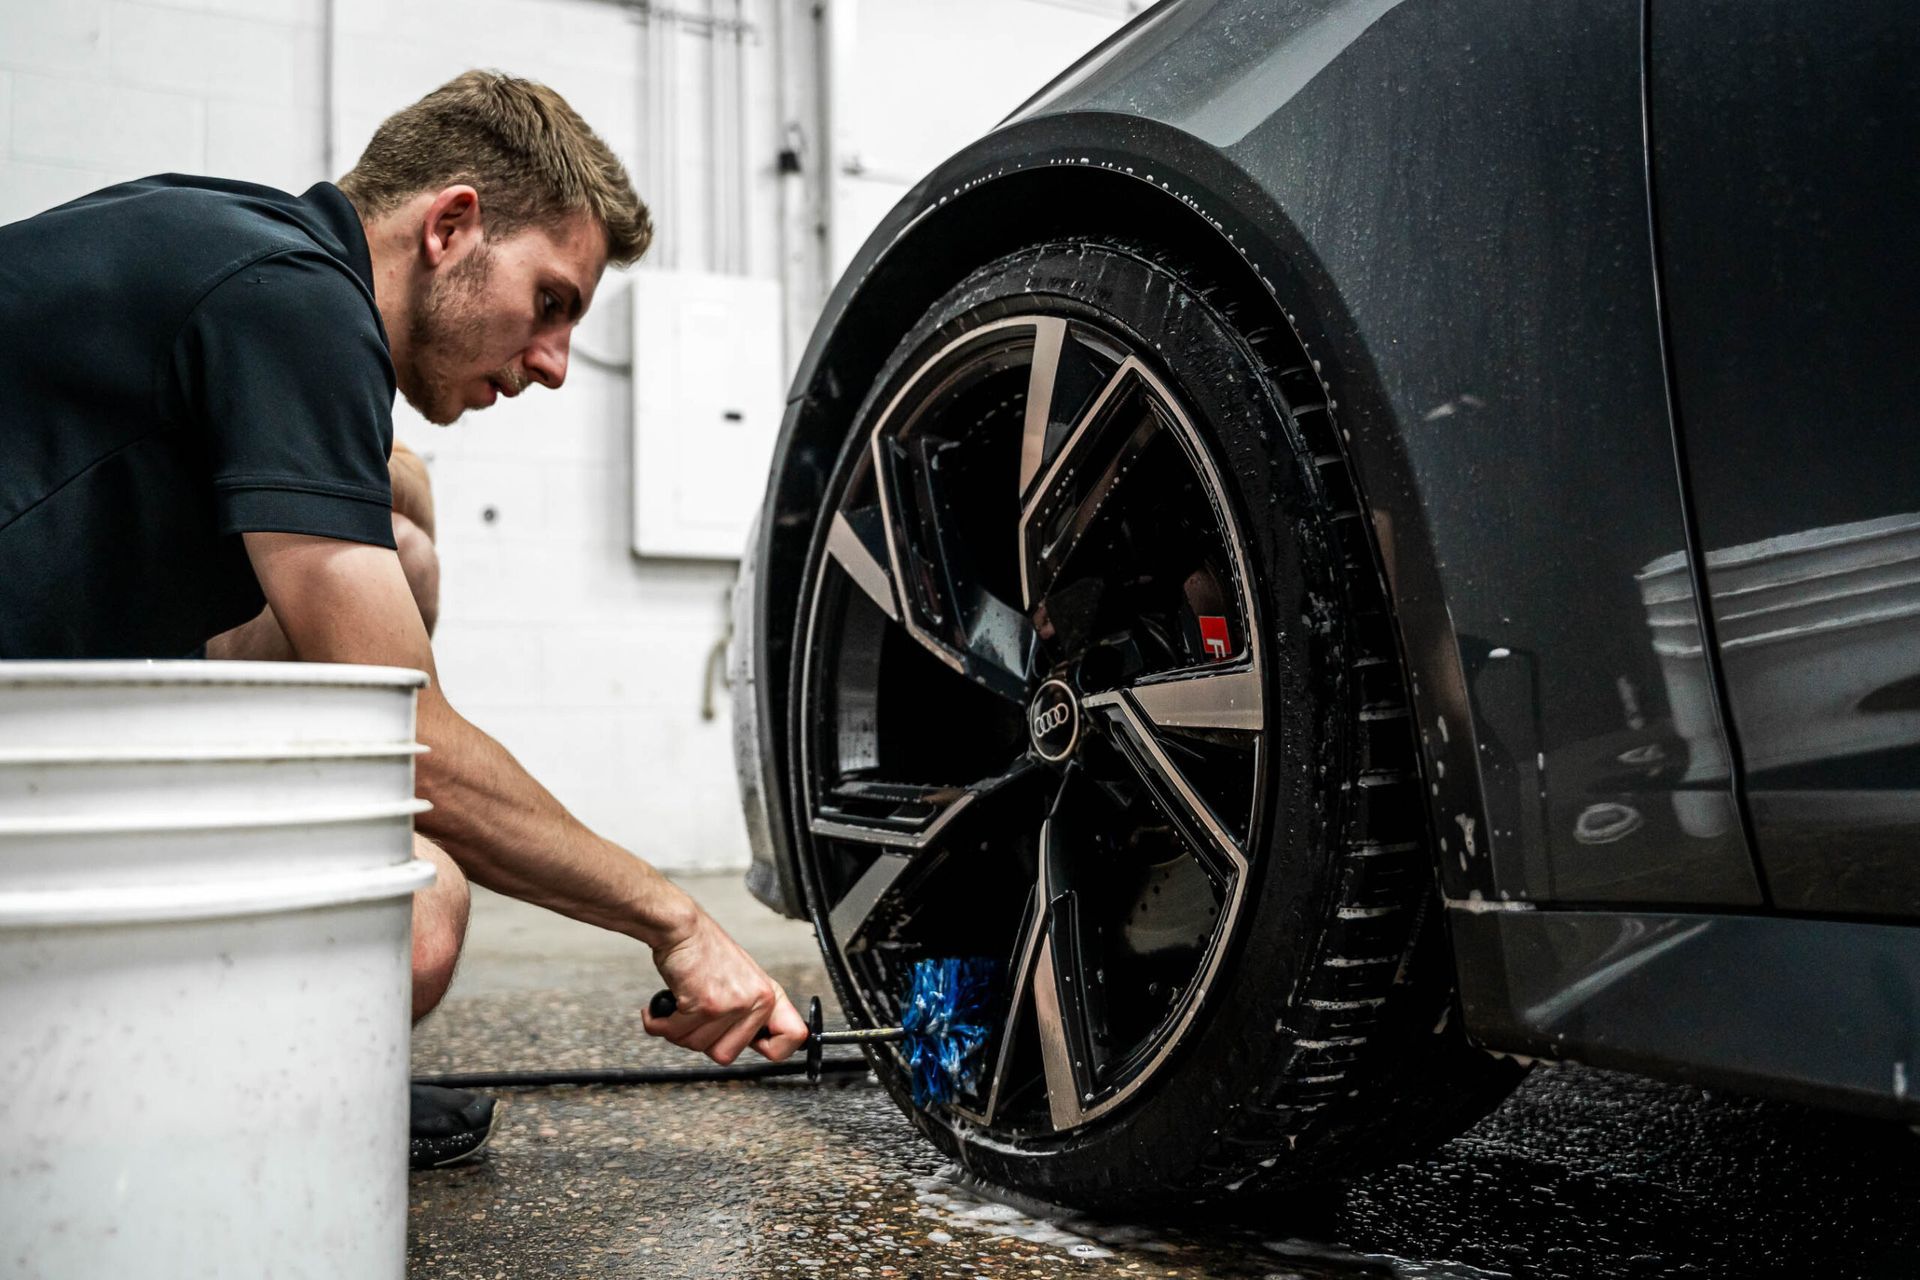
x=500 y=317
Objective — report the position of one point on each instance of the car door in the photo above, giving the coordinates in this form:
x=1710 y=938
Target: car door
x=1784 y=146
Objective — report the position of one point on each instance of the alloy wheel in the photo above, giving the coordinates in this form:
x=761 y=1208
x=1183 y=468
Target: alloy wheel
x=1031 y=711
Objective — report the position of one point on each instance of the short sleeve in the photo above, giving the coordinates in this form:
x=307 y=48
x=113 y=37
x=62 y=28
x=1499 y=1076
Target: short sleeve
x=283 y=367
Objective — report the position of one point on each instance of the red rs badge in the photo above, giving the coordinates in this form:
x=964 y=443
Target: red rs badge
x=1213 y=634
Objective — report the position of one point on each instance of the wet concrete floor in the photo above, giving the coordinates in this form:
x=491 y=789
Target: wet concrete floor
x=1582 y=1174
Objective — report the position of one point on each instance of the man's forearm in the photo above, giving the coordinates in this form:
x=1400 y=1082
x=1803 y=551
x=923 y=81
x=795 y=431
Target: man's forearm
x=510 y=834
x=350 y=602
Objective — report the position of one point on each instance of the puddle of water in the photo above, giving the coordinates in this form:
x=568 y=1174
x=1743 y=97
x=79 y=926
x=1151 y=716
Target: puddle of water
x=1379 y=1263
x=955 y=1207
x=961 y=1205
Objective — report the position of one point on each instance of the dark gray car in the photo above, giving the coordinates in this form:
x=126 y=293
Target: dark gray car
x=1236 y=556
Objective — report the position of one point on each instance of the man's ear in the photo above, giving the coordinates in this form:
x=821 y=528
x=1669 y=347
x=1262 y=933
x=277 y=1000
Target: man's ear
x=452 y=224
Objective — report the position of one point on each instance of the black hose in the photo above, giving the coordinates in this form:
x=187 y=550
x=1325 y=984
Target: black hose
x=637 y=1075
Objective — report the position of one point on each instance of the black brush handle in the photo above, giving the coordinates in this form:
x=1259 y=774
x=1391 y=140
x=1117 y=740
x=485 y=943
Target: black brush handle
x=663 y=1005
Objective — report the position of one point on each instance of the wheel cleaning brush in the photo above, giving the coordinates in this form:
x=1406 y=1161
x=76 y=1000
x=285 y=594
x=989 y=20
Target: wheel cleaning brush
x=942 y=1030
x=945 y=1028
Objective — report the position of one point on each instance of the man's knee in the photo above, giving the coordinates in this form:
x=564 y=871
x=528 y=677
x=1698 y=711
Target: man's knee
x=421 y=561
x=439 y=927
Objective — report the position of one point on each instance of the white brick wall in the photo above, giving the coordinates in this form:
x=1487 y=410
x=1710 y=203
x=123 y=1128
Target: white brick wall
x=115 y=128
x=65 y=39
x=278 y=145
x=583 y=661
x=216 y=56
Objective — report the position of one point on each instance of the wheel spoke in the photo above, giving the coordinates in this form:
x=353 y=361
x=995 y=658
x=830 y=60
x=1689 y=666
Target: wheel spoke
x=850 y=915
x=1049 y=335
x=1026 y=951
x=1212 y=700
x=1061 y=1014
x=942 y=605
x=1047 y=982
x=1081 y=478
x=857 y=544
x=899 y=815
x=1207 y=838
x=908 y=821
x=915 y=826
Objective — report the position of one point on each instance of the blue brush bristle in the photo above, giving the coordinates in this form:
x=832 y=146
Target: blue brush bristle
x=945 y=1020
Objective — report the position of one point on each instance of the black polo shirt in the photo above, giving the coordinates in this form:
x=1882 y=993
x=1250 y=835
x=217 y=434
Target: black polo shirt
x=182 y=360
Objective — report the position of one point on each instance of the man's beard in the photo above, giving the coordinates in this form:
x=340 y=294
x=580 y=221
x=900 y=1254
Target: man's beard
x=445 y=338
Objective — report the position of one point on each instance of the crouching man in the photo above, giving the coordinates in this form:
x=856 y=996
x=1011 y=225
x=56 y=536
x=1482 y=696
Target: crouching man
x=198 y=457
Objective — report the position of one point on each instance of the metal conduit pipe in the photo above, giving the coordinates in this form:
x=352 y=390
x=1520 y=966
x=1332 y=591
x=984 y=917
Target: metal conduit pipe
x=726 y=64
x=666 y=86
x=642 y=133
x=742 y=169
x=715 y=129
x=329 y=86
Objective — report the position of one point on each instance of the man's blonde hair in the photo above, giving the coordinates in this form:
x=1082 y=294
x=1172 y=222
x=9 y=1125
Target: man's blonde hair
x=531 y=157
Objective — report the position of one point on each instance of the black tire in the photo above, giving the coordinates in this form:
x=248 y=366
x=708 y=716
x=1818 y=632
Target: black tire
x=1324 y=1044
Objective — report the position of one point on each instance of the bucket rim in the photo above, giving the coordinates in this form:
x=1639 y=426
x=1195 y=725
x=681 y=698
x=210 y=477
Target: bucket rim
x=92 y=824
x=160 y=672
x=295 y=752
x=152 y=904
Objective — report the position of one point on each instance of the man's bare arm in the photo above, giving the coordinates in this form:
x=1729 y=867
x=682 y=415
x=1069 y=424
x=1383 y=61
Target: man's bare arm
x=349 y=602
x=261 y=638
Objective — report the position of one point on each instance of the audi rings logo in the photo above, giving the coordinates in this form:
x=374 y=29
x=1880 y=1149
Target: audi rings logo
x=1054 y=721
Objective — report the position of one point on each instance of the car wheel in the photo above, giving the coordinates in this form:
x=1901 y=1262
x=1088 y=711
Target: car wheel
x=1096 y=679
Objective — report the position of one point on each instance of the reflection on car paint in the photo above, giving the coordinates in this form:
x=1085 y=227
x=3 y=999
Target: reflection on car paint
x=1816 y=636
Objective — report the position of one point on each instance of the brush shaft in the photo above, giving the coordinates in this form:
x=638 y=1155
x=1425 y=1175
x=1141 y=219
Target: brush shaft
x=864 y=1035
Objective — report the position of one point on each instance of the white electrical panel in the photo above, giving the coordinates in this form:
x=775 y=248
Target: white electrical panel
x=708 y=391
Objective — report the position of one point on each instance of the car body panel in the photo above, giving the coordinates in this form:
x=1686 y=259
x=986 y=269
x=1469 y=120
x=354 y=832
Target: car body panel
x=1444 y=154
x=1448 y=200
x=1816 y=1010
x=1796 y=367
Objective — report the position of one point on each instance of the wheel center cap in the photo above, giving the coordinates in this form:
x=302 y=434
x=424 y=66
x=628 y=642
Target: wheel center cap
x=1053 y=721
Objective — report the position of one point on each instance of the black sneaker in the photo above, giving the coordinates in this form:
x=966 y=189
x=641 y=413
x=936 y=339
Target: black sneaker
x=448 y=1125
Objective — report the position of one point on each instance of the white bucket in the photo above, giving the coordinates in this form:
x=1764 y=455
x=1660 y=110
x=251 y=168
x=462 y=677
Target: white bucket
x=206 y=873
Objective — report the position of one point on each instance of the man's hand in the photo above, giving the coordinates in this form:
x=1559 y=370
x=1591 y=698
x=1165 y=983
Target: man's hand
x=724 y=998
